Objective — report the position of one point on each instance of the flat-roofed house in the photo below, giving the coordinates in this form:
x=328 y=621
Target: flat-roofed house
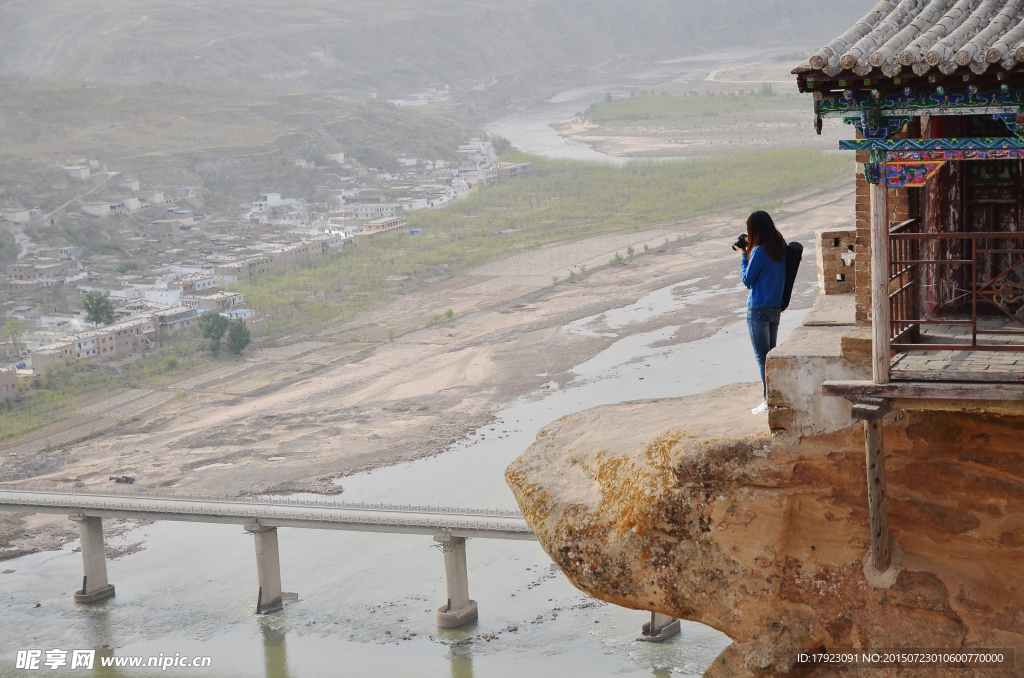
x=175 y=319
x=221 y=301
x=63 y=350
x=8 y=381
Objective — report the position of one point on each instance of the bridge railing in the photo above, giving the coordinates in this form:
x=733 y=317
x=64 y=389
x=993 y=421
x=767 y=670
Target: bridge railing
x=275 y=500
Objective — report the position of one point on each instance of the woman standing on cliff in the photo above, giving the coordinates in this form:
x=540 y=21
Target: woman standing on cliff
x=763 y=267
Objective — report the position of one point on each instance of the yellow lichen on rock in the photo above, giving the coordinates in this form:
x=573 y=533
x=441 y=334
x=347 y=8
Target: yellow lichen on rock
x=688 y=508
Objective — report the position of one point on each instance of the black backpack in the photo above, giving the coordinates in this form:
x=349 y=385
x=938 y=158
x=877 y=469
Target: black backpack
x=794 y=255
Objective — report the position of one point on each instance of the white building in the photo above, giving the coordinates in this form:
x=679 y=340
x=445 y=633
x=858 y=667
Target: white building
x=332 y=241
x=162 y=295
x=375 y=211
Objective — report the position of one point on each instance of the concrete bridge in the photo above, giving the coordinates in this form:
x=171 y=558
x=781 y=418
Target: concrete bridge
x=262 y=516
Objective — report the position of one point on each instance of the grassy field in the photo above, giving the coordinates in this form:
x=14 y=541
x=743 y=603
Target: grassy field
x=57 y=393
x=563 y=202
x=672 y=111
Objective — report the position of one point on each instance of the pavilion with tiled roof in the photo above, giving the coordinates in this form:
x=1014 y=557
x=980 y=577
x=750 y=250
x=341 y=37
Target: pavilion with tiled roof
x=935 y=91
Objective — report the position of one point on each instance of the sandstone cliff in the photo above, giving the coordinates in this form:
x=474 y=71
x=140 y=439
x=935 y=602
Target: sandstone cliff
x=690 y=508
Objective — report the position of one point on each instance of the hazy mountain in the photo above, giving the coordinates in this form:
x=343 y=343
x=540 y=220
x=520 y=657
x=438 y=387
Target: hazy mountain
x=392 y=44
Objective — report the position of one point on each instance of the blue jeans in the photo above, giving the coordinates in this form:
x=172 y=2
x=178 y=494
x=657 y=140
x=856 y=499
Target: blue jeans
x=763 y=324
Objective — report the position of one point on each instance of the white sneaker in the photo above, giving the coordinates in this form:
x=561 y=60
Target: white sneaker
x=760 y=409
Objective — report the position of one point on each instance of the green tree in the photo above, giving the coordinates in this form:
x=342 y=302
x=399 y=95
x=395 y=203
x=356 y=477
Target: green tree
x=56 y=375
x=12 y=333
x=98 y=308
x=127 y=266
x=212 y=325
x=238 y=337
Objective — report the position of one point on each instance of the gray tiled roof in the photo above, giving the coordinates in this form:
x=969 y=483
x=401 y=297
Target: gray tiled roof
x=915 y=36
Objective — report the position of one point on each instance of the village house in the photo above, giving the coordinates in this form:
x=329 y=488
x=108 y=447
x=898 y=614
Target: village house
x=68 y=252
x=63 y=350
x=332 y=243
x=8 y=381
x=292 y=255
x=375 y=211
x=245 y=314
x=221 y=301
x=175 y=319
x=87 y=345
x=160 y=295
x=517 y=170
x=40 y=272
x=246 y=269
x=191 y=283
x=382 y=226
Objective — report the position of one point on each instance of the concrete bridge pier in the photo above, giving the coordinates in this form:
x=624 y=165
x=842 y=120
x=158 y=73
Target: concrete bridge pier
x=460 y=609
x=95 y=586
x=268 y=568
x=661 y=627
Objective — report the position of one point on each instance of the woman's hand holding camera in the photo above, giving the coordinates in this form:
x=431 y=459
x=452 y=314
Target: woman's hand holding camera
x=741 y=244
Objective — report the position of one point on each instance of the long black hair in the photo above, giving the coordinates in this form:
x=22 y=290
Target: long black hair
x=761 y=231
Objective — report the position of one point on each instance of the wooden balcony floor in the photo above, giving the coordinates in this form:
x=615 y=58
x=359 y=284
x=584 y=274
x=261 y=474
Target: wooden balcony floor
x=966 y=365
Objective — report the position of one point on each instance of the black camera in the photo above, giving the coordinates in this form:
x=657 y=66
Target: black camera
x=741 y=243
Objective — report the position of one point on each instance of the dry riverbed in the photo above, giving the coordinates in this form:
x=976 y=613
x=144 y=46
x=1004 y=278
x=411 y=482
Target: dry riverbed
x=360 y=402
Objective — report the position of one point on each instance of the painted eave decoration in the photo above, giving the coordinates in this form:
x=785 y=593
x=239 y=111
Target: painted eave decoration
x=910 y=174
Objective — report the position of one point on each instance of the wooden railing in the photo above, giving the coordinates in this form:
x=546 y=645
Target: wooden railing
x=904 y=282
x=919 y=261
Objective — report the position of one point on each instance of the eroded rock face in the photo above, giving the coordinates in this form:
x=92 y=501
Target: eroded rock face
x=653 y=506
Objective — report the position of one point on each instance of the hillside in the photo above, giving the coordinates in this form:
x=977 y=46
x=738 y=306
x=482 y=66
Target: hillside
x=393 y=45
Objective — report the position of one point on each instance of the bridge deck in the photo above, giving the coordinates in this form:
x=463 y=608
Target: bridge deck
x=274 y=512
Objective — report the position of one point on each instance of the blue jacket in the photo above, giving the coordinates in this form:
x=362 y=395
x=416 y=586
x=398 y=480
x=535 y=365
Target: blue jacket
x=765 y=279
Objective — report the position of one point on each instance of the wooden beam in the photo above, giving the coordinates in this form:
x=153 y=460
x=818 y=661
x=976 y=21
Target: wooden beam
x=881 y=353
x=916 y=390
x=874 y=443
x=869 y=409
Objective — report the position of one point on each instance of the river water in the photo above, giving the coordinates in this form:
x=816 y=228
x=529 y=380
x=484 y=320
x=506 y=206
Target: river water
x=366 y=601
x=530 y=130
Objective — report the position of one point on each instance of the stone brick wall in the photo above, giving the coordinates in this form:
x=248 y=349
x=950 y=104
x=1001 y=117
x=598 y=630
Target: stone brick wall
x=836 y=250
